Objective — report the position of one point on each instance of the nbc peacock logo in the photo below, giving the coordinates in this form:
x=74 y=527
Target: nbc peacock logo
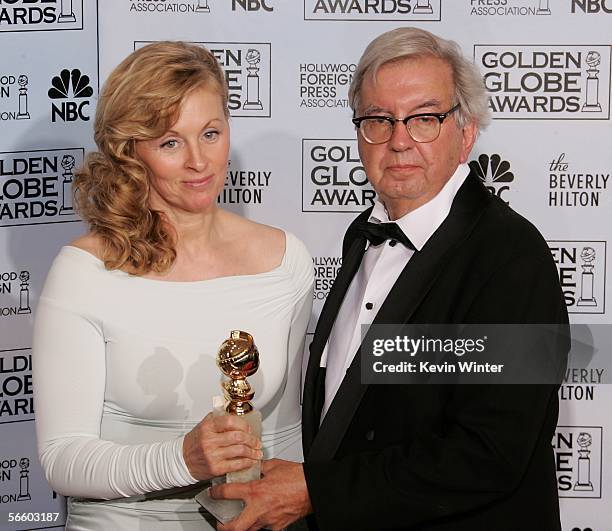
x=494 y=172
x=70 y=85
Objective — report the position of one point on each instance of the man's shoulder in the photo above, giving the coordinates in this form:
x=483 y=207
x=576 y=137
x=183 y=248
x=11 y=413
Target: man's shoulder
x=504 y=232
x=496 y=220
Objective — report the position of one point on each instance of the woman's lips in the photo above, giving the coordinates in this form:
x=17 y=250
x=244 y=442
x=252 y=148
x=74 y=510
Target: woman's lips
x=197 y=183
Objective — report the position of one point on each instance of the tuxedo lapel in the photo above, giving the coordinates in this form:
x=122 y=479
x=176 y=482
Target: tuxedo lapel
x=314 y=384
x=411 y=287
x=421 y=271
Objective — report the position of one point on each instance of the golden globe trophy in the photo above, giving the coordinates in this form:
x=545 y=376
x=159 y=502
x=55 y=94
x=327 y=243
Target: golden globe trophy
x=237 y=358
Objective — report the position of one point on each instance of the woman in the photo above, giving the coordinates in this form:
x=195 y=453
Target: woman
x=132 y=314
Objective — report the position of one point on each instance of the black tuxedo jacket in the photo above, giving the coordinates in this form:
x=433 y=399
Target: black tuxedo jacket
x=441 y=457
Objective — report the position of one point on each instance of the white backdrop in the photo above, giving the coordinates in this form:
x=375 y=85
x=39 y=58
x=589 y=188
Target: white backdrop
x=294 y=163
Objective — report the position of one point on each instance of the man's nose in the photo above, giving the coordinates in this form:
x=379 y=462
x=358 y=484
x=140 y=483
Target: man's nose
x=400 y=138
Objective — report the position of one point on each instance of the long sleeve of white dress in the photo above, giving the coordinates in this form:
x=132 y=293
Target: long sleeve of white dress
x=125 y=366
x=70 y=379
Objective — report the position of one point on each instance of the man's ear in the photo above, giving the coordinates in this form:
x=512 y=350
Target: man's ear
x=469 y=134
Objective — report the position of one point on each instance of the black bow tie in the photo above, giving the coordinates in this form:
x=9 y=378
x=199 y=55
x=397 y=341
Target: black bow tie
x=376 y=233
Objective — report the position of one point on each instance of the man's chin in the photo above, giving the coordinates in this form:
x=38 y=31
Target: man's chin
x=398 y=205
x=401 y=194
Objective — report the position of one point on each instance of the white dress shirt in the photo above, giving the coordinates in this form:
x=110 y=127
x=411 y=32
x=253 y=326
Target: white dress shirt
x=377 y=273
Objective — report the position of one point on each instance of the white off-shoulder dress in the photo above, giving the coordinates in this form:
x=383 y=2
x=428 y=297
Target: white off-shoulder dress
x=125 y=366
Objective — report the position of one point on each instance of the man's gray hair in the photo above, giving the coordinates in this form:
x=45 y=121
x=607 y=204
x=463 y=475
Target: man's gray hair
x=411 y=43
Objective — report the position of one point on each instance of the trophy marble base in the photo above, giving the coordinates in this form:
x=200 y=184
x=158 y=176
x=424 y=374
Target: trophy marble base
x=222 y=510
x=226 y=510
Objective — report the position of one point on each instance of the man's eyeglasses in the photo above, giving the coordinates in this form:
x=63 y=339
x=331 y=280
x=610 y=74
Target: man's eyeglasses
x=424 y=127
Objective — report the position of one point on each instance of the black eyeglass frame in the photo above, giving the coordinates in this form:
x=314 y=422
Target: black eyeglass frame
x=441 y=116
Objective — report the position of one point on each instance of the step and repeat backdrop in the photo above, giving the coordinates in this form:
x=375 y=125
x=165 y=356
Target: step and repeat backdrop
x=294 y=164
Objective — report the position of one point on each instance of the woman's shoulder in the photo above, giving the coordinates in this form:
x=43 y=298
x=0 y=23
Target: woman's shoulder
x=273 y=245
x=90 y=243
x=75 y=271
x=262 y=243
x=266 y=237
x=247 y=228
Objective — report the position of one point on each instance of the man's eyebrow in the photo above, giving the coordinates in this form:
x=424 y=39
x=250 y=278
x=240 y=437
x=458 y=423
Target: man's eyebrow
x=429 y=103
x=375 y=109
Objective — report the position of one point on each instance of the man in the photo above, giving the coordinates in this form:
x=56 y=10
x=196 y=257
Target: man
x=421 y=457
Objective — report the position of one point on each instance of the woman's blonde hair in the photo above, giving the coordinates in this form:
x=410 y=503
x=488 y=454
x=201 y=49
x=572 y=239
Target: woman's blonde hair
x=139 y=101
